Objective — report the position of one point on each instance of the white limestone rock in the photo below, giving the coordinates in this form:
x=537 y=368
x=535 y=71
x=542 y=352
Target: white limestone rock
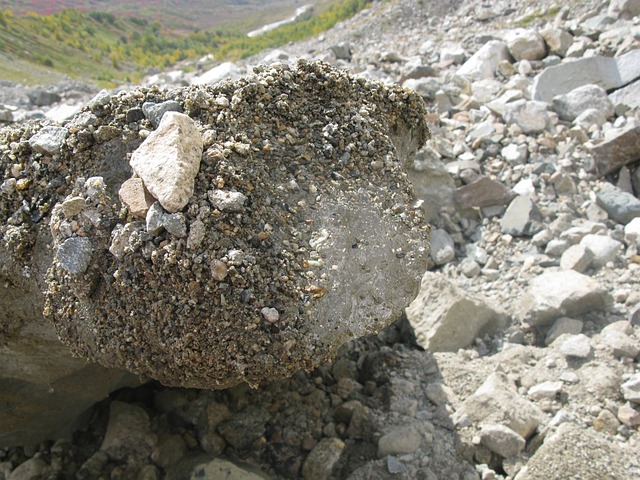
x=445 y=318
x=169 y=159
x=484 y=62
x=555 y=294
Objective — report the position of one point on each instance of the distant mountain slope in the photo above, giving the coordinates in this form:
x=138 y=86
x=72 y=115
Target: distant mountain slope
x=113 y=48
x=175 y=14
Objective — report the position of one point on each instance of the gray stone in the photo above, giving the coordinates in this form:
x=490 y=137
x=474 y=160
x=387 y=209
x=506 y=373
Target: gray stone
x=222 y=469
x=155 y=111
x=525 y=44
x=576 y=257
x=155 y=219
x=175 y=224
x=628 y=415
x=631 y=389
x=607 y=72
x=324 y=456
x=619 y=149
x=484 y=62
x=625 y=8
x=577 y=346
x=227 y=201
x=445 y=318
x=604 y=249
x=128 y=436
x=530 y=116
x=442 y=247
x=545 y=391
x=400 y=440
x=470 y=268
x=521 y=218
x=619 y=205
x=169 y=159
x=483 y=192
x=620 y=344
x=572 y=104
x=590 y=117
x=497 y=402
x=562 y=326
x=440 y=394
x=74 y=255
x=452 y=52
x=501 y=440
x=558 y=40
x=32 y=469
x=555 y=294
x=627 y=97
x=342 y=51
x=49 y=140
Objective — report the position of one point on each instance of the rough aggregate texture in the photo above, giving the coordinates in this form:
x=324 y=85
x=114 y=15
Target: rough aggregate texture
x=327 y=233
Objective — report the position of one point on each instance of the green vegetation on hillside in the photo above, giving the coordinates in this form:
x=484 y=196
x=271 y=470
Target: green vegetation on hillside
x=110 y=49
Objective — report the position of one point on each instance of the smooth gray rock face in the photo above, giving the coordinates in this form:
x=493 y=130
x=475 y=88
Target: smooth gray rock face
x=74 y=255
x=526 y=45
x=555 y=294
x=619 y=205
x=530 y=116
x=155 y=111
x=572 y=104
x=484 y=62
x=606 y=72
x=521 y=218
x=445 y=318
x=501 y=440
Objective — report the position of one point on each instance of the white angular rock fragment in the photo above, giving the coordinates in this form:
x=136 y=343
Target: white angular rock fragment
x=628 y=415
x=271 y=315
x=484 y=62
x=625 y=8
x=223 y=469
x=497 y=402
x=572 y=104
x=227 y=201
x=561 y=326
x=620 y=344
x=501 y=440
x=607 y=72
x=558 y=40
x=439 y=394
x=530 y=116
x=400 y=440
x=555 y=294
x=49 y=140
x=525 y=44
x=604 y=248
x=578 y=346
x=632 y=232
x=576 y=257
x=169 y=159
x=545 y=390
x=217 y=74
x=631 y=389
x=445 y=318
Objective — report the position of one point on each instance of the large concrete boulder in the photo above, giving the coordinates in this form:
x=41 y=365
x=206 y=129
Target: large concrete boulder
x=302 y=232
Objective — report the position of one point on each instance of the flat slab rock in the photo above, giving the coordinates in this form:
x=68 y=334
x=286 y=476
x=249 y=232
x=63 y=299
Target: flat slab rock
x=328 y=238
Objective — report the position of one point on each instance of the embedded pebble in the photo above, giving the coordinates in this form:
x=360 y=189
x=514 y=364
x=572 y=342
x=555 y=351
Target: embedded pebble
x=74 y=255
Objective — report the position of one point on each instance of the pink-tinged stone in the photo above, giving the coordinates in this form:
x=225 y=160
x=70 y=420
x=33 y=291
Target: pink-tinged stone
x=135 y=197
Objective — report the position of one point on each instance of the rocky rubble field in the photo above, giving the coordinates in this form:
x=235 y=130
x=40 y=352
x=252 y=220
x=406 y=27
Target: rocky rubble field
x=519 y=358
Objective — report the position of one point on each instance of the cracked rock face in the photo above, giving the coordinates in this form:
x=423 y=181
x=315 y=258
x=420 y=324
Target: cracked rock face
x=302 y=231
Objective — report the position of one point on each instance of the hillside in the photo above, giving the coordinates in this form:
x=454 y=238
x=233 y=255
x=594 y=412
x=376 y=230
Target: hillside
x=114 y=48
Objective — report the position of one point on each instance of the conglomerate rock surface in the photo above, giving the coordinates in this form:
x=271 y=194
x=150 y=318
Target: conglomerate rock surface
x=327 y=244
